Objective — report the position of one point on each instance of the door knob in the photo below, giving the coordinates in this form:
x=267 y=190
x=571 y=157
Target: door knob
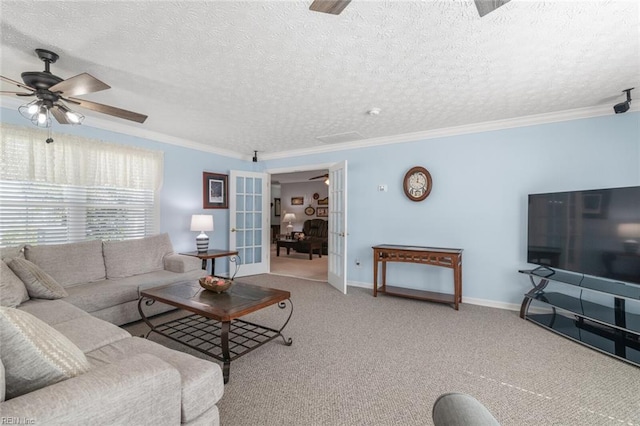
x=233 y=229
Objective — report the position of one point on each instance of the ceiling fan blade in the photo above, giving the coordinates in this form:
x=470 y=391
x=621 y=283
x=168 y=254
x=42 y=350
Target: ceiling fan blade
x=486 y=6
x=334 y=7
x=319 y=177
x=110 y=110
x=4 y=92
x=80 y=84
x=60 y=116
x=23 y=86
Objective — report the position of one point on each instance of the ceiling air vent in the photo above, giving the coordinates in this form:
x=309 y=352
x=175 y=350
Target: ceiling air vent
x=340 y=137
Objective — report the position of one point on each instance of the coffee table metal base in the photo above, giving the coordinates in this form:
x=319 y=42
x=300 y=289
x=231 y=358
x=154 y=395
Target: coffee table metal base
x=224 y=341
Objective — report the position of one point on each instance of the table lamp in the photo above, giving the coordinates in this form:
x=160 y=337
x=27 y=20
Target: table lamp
x=202 y=222
x=289 y=217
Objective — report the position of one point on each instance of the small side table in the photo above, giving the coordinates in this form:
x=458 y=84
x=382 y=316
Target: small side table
x=212 y=254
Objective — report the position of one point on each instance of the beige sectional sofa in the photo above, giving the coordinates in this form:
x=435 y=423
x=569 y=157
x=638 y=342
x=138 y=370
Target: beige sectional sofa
x=65 y=362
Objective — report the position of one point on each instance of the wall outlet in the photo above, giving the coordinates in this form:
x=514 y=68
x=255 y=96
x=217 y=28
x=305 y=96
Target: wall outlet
x=357 y=263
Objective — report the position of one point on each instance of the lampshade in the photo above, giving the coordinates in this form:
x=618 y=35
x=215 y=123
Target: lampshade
x=629 y=230
x=202 y=222
x=289 y=217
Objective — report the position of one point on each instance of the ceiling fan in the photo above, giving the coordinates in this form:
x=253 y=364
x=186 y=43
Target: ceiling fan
x=50 y=92
x=335 y=7
x=324 y=176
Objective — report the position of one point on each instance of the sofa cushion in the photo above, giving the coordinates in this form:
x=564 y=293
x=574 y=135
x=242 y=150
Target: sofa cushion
x=133 y=257
x=52 y=311
x=9 y=252
x=93 y=297
x=39 y=284
x=12 y=289
x=202 y=383
x=71 y=263
x=34 y=354
x=90 y=333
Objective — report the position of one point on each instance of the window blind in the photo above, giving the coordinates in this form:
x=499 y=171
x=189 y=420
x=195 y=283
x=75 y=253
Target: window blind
x=83 y=189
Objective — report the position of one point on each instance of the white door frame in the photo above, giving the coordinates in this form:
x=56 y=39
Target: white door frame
x=294 y=169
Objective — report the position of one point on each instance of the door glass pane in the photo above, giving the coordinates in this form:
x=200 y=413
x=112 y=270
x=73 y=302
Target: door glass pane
x=249 y=241
x=239 y=220
x=239 y=202
x=248 y=257
x=249 y=189
x=248 y=223
x=239 y=185
x=259 y=186
x=249 y=204
x=239 y=239
x=257 y=235
x=258 y=254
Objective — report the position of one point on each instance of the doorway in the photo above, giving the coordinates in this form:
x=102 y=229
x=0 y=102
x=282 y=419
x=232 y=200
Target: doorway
x=299 y=201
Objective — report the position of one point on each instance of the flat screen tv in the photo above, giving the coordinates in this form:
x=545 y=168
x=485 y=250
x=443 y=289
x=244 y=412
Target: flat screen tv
x=594 y=232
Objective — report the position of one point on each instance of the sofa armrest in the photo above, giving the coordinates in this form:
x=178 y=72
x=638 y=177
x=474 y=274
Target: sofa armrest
x=181 y=263
x=141 y=389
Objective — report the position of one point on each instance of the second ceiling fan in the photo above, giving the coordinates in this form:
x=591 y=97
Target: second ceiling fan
x=335 y=7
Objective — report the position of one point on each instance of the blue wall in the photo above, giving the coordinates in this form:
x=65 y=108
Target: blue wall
x=181 y=193
x=479 y=197
x=478 y=201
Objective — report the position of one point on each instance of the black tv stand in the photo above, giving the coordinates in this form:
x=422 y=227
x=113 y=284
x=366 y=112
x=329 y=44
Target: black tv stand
x=601 y=314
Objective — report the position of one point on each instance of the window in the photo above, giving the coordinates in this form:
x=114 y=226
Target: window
x=75 y=189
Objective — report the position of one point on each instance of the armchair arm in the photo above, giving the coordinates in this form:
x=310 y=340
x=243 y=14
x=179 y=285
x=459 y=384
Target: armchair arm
x=180 y=263
x=141 y=389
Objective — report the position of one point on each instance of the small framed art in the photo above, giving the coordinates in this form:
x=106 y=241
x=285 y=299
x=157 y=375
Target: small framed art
x=322 y=212
x=215 y=191
x=297 y=201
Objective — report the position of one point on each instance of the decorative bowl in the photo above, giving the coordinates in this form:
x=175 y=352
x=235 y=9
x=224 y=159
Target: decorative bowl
x=216 y=284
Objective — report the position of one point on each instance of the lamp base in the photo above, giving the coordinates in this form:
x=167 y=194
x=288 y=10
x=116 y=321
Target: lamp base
x=202 y=243
x=630 y=246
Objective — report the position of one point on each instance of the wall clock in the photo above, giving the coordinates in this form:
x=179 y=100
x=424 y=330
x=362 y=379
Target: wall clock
x=309 y=211
x=417 y=183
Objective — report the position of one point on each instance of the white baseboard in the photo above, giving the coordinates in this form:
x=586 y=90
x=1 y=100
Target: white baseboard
x=469 y=300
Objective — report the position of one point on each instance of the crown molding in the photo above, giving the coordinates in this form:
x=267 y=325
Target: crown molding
x=489 y=126
x=133 y=130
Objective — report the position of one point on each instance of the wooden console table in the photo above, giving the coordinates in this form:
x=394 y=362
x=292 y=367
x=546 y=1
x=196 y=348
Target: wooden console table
x=445 y=257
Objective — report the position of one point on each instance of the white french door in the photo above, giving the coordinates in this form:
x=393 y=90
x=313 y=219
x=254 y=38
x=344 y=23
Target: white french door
x=249 y=221
x=337 y=274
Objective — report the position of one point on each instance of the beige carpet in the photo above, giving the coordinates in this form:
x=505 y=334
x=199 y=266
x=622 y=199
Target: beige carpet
x=298 y=265
x=360 y=360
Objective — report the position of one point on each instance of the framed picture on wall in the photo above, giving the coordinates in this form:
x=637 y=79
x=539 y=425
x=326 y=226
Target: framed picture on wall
x=276 y=206
x=214 y=191
x=322 y=212
x=297 y=201
x=323 y=201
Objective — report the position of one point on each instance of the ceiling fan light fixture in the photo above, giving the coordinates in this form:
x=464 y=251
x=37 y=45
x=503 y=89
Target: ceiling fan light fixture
x=29 y=110
x=73 y=116
x=326 y=181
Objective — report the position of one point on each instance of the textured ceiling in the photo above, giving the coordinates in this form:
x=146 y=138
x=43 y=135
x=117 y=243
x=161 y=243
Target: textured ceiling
x=272 y=76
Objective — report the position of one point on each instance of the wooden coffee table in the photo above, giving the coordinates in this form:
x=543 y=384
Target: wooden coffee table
x=215 y=328
x=310 y=244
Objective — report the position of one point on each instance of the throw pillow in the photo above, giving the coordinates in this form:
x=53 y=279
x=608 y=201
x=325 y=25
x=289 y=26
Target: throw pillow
x=39 y=284
x=34 y=354
x=12 y=289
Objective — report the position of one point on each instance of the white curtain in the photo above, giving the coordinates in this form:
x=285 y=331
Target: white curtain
x=75 y=160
